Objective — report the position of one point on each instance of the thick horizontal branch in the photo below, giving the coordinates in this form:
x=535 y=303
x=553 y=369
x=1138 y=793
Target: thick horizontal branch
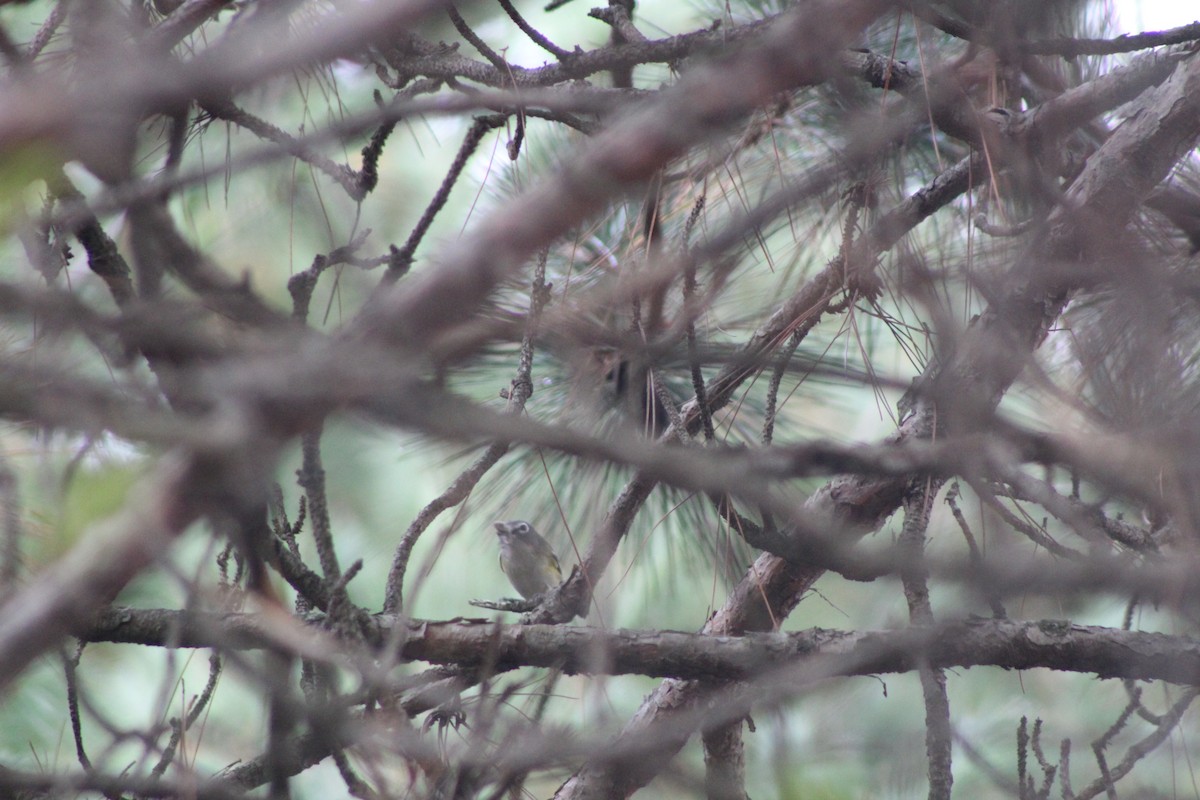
x=42 y=784
x=1046 y=644
x=1049 y=644
x=580 y=64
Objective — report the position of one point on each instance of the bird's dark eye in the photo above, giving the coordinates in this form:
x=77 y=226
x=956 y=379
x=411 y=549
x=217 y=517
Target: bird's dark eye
x=522 y=527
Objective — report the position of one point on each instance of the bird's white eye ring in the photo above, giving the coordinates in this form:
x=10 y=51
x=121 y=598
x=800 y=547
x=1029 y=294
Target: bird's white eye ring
x=522 y=527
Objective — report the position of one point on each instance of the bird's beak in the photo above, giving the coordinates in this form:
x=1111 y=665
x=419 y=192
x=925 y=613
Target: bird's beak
x=501 y=527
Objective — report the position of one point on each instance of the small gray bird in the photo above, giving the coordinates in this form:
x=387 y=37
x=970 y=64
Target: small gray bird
x=526 y=558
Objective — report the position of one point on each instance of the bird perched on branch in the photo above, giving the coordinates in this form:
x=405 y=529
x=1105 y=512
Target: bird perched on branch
x=527 y=558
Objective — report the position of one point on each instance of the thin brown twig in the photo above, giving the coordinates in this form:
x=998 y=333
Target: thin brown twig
x=460 y=489
x=915 y=580
x=401 y=259
x=534 y=36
